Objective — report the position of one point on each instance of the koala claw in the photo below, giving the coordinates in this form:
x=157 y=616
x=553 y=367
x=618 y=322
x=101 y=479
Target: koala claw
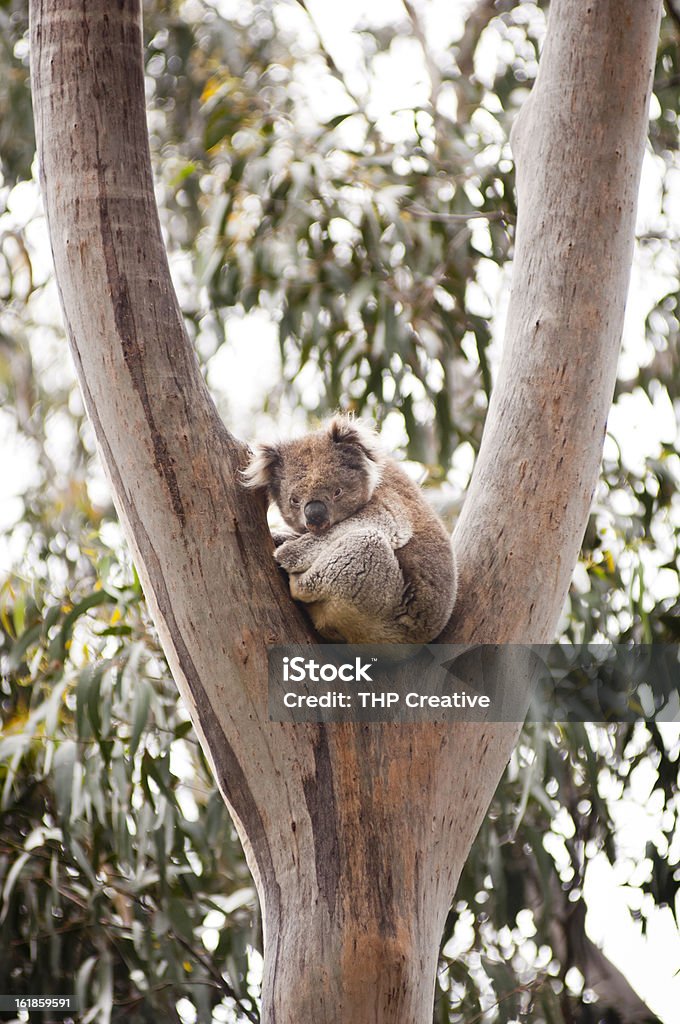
x=297 y=554
x=281 y=536
x=303 y=586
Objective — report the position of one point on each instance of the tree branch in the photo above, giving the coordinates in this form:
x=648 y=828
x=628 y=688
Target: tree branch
x=430 y=63
x=578 y=152
x=479 y=17
x=221 y=982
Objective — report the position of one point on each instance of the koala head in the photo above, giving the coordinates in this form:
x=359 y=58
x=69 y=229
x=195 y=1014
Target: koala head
x=321 y=478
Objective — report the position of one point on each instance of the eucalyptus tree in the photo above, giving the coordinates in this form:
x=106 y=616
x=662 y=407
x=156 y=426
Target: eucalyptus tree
x=363 y=250
x=353 y=908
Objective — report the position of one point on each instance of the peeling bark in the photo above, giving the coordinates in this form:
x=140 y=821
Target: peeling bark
x=356 y=835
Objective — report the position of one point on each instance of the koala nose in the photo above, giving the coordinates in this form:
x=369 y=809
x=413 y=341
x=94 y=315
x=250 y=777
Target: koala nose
x=316 y=513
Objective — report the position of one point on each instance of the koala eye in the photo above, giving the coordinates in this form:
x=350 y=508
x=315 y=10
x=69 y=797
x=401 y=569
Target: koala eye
x=295 y=502
x=338 y=493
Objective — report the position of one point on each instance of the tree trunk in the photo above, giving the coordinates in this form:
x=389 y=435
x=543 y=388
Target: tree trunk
x=355 y=834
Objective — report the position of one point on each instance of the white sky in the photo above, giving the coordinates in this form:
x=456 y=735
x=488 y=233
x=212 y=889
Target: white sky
x=639 y=427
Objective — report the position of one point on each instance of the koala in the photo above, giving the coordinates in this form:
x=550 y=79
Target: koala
x=366 y=554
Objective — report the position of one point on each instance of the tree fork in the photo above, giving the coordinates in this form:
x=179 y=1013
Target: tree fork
x=356 y=835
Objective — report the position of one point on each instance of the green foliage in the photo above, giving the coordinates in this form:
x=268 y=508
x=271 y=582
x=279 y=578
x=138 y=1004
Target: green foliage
x=363 y=248
x=518 y=923
x=117 y=855
x=17 y=142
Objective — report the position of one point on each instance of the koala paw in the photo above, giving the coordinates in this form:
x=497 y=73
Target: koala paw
x=303 y=586
x=281 y=536
x=297 y=554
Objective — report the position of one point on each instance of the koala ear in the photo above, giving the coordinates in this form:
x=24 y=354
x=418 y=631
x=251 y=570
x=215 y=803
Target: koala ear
x=264 y=468
x=346 y=430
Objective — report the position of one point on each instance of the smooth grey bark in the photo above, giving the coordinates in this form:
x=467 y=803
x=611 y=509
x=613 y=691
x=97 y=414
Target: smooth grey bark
x=578 y=144
x=355 y=835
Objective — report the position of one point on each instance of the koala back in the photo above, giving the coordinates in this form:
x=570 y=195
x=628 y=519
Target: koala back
x=426 y=559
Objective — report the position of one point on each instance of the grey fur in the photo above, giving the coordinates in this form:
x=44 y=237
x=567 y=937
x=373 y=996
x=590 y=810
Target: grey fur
x=380 y=569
